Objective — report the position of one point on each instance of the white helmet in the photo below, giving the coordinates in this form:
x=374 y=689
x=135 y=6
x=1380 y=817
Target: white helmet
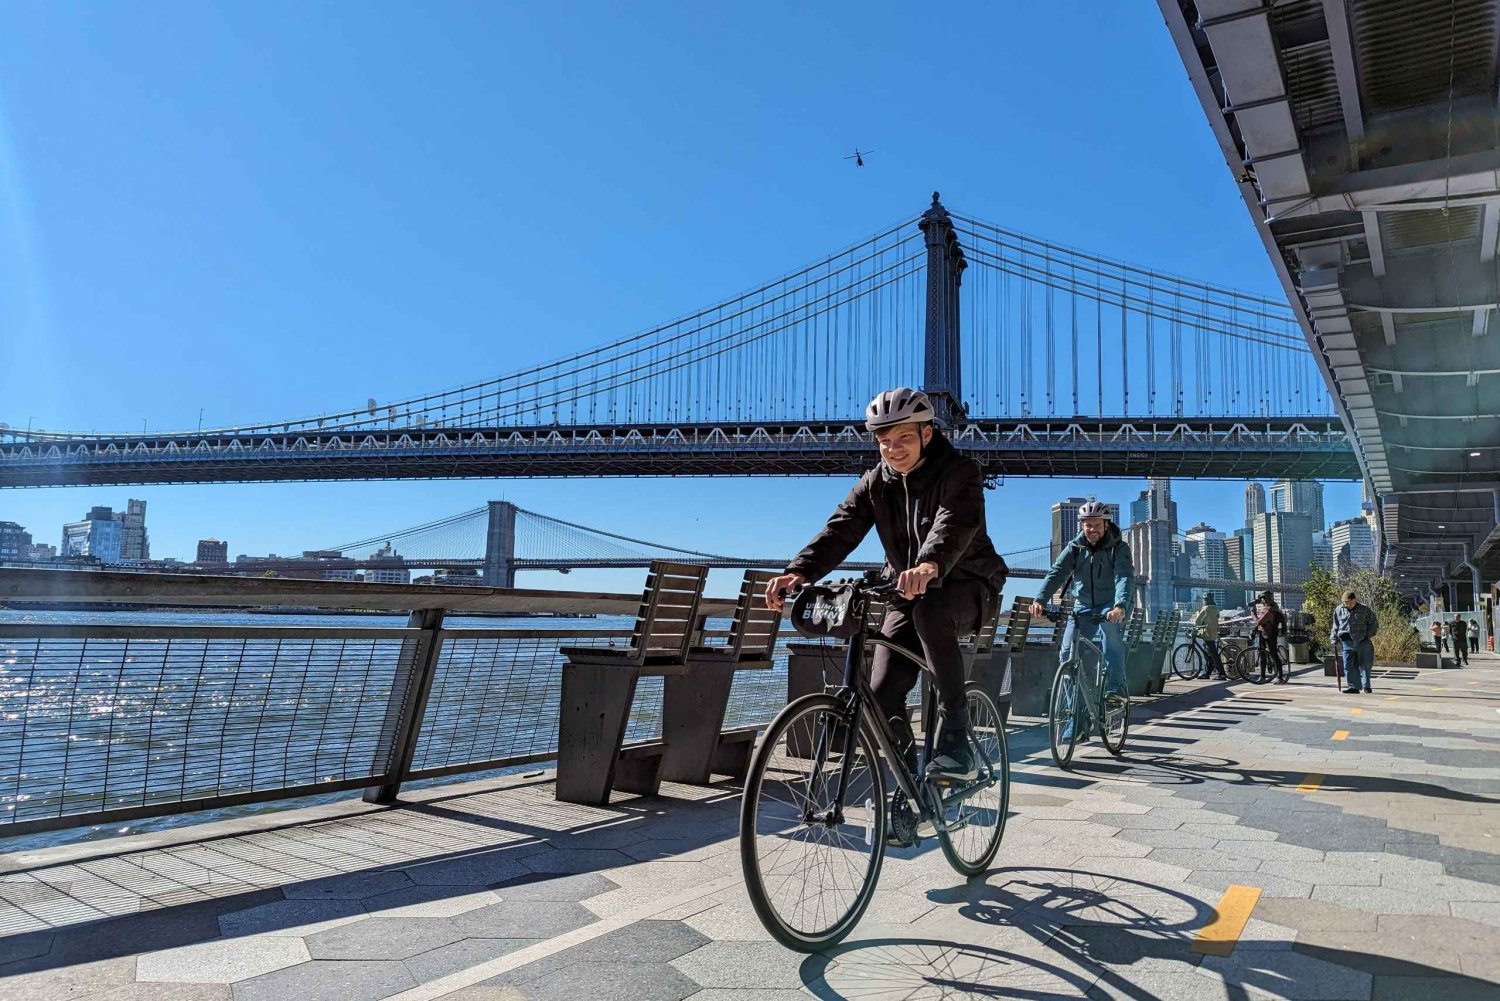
x=898 y=406
x=1092 y=509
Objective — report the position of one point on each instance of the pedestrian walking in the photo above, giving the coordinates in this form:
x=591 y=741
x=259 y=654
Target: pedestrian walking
x=1460 y=630
x=1437 y=635
x=1354 y=626
x=1473 y=635
x=1444 y=635
x=1207 y=621
x=1271 y=623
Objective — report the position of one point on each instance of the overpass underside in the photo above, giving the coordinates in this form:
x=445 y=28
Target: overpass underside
x=1364 y=138
x=1131 y=447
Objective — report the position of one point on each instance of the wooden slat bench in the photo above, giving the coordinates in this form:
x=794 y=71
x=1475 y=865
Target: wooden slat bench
x=694 y=703
x=598 y=688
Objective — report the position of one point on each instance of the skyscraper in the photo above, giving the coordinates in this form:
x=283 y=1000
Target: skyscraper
x=15 y=542
x=1255 y=501
x=1283 y=547
x=1065 y=520
x=1353 y=544
x=97 y=536
x=1300 y=497
x=135 y=544
x=1208 y=557
x=1234 y=567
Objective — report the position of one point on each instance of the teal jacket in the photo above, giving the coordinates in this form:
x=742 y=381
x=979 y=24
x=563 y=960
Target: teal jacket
x=1103 y=575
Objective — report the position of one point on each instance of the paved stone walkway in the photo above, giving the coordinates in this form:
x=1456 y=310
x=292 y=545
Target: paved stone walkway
x=1369 y=825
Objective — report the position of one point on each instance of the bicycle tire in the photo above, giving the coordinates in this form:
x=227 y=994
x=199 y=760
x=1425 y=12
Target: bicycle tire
x=1251 y=666
x=1116 y=746
x=983 y=814
x=772 y=800
x=1064 y=699
x=1186 y=658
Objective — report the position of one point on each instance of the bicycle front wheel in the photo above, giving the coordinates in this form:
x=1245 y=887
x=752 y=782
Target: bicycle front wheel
x=1064 y=709
x=1186 y=660
x=1251 y=665
x=812 y=842
x=972 y=830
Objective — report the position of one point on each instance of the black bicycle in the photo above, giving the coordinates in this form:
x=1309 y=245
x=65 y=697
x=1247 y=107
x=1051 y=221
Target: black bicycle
x=1255 y=663
x=1190 y=658
x=815 y=818
x=1079 y=701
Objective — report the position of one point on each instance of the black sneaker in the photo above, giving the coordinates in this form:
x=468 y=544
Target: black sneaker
x=952 y=758
x=1369 y=691
x=1352 y=691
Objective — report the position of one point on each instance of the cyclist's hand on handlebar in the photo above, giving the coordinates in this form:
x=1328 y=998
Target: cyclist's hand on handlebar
x=777 y=587
x=914 y=581
x=1037 y=611
x=1115 y=614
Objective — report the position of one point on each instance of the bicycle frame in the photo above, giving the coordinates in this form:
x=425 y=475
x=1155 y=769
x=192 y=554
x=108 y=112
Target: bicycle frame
x=1096 y=698
x=861 y=698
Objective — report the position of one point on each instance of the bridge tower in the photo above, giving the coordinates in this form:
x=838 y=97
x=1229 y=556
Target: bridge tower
x=500 y=545
x=945 y=269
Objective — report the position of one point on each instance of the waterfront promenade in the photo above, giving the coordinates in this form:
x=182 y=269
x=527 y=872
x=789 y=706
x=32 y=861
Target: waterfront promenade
x=1364 y=830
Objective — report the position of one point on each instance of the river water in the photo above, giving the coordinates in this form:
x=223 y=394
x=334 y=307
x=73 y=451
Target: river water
x=529 y=679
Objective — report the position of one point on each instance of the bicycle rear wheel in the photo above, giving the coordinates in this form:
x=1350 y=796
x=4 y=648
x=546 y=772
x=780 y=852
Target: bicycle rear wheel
x=972 y=832
x=1187 y=661
x=810 y=875
x=1115 y=726
x=1064 y=709
x=1251 y=665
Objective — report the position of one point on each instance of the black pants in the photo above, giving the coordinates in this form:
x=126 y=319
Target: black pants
x=932 y=624
x=1461 y=649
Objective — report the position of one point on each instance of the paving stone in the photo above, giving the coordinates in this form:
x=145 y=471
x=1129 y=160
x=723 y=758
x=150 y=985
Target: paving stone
x=536 y=886
x=523 y=919
x=1289 y=974
x=293 y=918
x=1446 y=988
x=1381 y=900
x=1322 y=873
x=223 y=961
x=1198 y=858
x=743 y=965
x=1220 y=880
x=43 y=977
x=1171 y=985
x=348 y=886
x=462 y=955
x=1308 y=914
x=575 y=860
x=479 y=869
x=323 y=980
x=429 y=901
x=163 y=992
x=610 y=982
x=383 y=938
x=24 y=946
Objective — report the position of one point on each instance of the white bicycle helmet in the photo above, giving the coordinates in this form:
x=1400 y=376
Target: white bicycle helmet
x=1092 y=509
x=898 y=406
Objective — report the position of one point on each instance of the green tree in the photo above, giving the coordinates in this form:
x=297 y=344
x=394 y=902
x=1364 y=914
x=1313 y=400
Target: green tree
x=1323 y=590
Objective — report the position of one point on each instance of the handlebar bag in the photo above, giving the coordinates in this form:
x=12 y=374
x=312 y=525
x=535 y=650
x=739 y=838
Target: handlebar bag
x=828 y=610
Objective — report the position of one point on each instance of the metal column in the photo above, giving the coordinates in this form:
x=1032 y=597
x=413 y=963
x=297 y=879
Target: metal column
x=500 y=546
x=945 y=268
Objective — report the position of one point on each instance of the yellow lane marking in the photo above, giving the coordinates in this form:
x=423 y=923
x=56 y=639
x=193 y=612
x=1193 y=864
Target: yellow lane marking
x=1340 y=734
x=1356 y=712
x=1311 y=783
x=1219 y=936
x=1390 y=698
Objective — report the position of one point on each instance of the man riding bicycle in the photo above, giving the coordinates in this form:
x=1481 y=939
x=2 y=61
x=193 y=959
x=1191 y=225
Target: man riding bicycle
x=926 y=502
x=1103 y=582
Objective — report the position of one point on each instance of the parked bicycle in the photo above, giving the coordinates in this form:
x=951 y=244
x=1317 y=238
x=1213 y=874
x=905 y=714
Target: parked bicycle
x=1079 y=701
x=1255 y=663
x=815 y=818
x=1191 y=658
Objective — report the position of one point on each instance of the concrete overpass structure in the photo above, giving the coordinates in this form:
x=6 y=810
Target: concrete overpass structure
x=1364 y=138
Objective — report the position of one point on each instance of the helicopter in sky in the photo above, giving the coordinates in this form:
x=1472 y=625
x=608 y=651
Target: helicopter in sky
x=859 y=157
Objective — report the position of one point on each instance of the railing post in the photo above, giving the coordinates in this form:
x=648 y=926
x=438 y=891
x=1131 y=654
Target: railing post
x=945 y=268
x=403 y=714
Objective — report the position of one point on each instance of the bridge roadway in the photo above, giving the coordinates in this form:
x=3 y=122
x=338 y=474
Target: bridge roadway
x=1280 y=842
x=294 y=566
x=1133 y=447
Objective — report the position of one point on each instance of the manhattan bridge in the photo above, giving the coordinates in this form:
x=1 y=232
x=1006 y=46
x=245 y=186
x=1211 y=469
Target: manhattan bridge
x=1043 y=360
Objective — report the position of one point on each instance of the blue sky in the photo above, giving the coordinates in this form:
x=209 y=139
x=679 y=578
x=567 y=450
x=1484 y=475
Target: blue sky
x=268 y=211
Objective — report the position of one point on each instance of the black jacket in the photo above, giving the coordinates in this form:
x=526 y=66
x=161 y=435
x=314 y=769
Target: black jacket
x=935 y=512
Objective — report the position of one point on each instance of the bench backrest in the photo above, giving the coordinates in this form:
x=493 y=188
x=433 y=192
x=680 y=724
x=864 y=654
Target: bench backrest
x=1018 y=625
x=754 y=631
x=984 y=640
x=669 y=609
